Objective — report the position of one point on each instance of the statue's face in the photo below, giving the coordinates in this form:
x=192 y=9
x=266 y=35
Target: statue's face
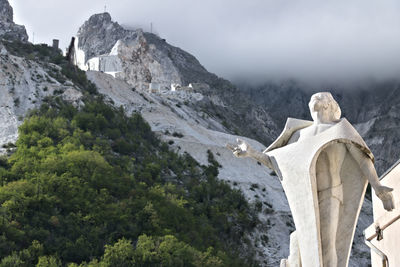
x=322 y=108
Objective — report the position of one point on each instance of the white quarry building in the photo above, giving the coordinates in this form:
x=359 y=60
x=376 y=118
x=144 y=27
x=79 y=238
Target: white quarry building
x=175 y=87
x=108 y=63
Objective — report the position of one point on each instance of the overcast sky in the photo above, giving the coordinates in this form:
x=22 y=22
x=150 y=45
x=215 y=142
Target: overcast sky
x=248 y=39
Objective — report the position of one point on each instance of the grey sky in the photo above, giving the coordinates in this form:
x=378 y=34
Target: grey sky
x=254 y=39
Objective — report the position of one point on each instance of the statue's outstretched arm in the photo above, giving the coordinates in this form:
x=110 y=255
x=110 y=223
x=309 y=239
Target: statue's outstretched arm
x=243 y=150
x=368 y=170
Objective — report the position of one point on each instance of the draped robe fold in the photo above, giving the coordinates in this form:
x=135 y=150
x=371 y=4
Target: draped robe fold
x=295 y=164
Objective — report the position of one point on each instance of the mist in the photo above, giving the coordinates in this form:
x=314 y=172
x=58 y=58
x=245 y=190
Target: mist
x=248 y=41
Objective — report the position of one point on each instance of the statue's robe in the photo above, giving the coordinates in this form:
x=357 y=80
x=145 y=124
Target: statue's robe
x=295 y=165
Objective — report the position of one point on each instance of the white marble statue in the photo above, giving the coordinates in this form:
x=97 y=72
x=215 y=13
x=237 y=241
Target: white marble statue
x=324 y=167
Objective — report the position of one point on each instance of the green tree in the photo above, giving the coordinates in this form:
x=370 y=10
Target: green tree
x=48 y=261
x=120 y=254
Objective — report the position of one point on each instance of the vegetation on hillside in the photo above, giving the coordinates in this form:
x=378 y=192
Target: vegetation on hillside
x=94 y=187
x=48 y=57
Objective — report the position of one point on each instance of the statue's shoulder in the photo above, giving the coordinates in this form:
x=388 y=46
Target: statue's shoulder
x=347 y=131
x=291 y=126
x=346 y=125
x=344 y=121
x=296 y=124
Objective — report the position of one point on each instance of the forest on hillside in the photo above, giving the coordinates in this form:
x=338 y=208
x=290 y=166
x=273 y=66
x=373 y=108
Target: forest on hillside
x=92 y=186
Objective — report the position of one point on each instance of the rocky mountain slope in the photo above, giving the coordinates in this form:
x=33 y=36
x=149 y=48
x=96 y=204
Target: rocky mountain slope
x=186 y=131
x=24 y=85
x=141 y=58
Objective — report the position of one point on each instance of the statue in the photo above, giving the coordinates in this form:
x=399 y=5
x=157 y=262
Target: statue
x=324 y=167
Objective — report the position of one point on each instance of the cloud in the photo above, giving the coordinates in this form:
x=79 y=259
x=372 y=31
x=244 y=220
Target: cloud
x=249 y=40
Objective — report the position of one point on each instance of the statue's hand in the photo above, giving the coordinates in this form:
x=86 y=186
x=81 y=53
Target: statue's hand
x=384 y=193
x=241 y=149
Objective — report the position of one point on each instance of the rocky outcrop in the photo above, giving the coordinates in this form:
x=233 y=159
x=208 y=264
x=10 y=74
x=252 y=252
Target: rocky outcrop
x=98 y=35
x=104 y=45
x=8 y=29
x=144 y=56
x=140 y=58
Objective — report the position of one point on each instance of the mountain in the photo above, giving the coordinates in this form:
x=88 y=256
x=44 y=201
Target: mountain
x=141 y=58
x=136 y=56
x=40 y=91
x=8 y=29
x=195 y=122
x=84 y=180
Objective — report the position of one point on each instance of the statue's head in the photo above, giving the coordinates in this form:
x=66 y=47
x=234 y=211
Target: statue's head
x=324 y=108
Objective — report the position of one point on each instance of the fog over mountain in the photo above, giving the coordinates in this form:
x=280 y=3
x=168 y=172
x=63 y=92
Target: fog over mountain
x=252 y=41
